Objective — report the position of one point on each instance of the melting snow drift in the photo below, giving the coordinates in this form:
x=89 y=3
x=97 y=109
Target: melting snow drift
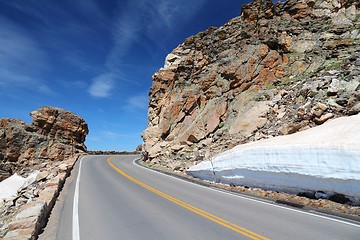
x=325 y=158
x=10 y=186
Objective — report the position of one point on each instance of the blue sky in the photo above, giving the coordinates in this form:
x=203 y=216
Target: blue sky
x=95 y=58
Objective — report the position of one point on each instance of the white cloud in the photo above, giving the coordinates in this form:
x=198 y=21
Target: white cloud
x=102 y=85
x=43 y=88
x=138 y=102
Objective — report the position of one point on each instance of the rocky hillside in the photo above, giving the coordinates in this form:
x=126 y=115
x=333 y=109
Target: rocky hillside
x=275 y=70
x=53 y=135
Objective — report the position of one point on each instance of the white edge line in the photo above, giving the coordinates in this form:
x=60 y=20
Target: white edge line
x=249 y=198
x=75 y=220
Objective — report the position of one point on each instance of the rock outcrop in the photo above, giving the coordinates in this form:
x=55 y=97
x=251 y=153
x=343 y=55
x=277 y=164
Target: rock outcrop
x=38 y=157
x=275 y=70
x=53 y=135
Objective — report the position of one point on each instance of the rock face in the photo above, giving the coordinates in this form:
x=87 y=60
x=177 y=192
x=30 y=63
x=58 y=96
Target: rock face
x=275 y=70
x=54 y=135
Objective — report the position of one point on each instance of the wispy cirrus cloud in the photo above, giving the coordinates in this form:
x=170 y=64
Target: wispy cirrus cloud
x=60 y=28
x=134 y=22
x=131 y=23
x=148 y=19
x=22 y=60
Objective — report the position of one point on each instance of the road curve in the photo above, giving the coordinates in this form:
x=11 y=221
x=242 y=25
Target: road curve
x=117 y=199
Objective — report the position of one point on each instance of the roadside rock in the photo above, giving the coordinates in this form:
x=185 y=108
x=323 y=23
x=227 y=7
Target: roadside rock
x=26 y=219
x=35 y=159
x=274 y=70
x=41 y=176
x=54 y=135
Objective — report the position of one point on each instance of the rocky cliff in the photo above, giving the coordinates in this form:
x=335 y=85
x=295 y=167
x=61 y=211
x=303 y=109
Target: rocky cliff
x=275 y=70
x=53 y=135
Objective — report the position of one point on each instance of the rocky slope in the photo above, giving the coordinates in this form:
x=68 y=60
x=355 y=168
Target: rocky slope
x=53 y=135
x=35 y=160
x=275 y=70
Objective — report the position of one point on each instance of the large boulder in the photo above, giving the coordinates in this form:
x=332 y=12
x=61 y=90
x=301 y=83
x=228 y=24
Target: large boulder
x=60 y=124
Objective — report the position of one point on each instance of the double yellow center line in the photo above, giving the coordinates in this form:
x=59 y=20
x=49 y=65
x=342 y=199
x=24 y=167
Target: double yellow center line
x=209 y=216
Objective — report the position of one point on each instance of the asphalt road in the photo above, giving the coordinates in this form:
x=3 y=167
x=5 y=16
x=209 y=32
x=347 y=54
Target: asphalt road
x=116 y=199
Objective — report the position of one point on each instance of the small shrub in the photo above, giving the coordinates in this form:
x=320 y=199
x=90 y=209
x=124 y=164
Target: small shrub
x=312 y=94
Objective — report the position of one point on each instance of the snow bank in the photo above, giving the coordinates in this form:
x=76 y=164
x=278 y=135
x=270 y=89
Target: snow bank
x=325 y=158
x=10 y=186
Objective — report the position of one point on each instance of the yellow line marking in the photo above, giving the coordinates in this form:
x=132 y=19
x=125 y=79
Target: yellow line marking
x=218 y=220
